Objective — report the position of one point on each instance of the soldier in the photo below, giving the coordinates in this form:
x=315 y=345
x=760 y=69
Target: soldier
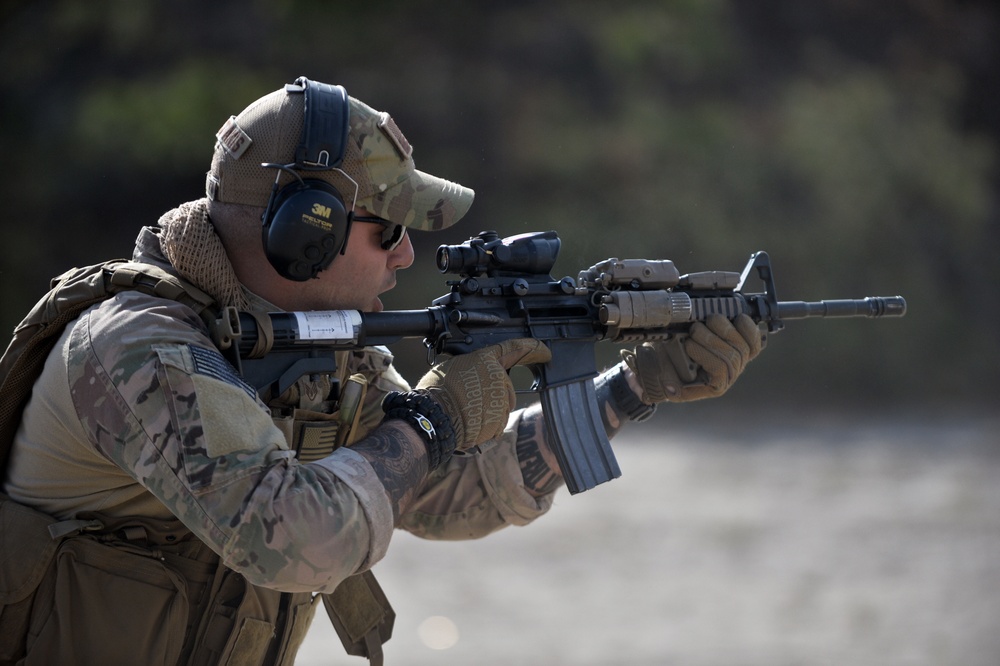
x=158 y=510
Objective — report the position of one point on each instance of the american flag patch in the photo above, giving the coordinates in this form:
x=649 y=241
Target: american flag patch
x=210 y=363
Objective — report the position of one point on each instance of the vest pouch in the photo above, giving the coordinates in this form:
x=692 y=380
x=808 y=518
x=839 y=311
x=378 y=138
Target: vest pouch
x=362 y=616
x=110 y=604
x=301 y=610
x=240 y=623
x=26 y=552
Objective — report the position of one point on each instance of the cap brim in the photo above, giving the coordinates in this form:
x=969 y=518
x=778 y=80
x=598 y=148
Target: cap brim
x=445 y=201
x=421 y=201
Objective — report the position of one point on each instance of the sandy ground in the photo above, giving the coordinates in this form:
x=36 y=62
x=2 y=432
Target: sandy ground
x=860 y=544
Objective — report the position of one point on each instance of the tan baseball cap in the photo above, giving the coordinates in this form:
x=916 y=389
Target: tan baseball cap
x=377 y=157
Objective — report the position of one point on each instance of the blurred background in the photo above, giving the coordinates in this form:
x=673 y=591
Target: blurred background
x=858 y=143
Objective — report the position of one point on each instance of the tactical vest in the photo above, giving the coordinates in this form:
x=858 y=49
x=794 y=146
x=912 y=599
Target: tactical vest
x=166 y=582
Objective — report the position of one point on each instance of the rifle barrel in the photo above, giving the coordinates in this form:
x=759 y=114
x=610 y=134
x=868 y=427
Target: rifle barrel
x=871 y=306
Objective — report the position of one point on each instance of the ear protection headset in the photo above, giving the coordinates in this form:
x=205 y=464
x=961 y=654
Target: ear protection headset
x=306 y=223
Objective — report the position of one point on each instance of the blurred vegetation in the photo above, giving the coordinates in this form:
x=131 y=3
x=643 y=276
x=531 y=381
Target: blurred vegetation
x=856 y=142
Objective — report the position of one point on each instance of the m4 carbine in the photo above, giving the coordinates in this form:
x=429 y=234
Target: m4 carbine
x=506 y=291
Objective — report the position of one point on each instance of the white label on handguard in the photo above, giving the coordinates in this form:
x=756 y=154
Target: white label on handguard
x=337 y=325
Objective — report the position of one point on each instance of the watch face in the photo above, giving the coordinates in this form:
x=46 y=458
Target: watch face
x=425 y=424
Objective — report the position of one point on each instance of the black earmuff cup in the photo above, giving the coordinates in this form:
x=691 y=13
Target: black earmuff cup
x=307 y=229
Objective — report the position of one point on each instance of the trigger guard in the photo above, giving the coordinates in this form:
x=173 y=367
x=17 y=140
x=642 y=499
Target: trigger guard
x=536 y=379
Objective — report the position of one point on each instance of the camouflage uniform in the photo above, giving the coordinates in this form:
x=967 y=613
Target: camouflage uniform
x=138 y=414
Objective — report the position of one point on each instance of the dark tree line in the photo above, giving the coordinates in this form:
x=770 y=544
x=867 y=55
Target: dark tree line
x=856 y=142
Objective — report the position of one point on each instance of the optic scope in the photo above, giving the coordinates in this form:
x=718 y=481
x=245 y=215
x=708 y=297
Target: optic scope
x=487 y=253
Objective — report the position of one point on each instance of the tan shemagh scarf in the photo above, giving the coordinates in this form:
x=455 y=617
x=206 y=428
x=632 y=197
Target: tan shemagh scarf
x=194 y=249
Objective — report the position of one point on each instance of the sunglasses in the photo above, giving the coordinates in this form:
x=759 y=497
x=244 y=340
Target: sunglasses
x=392 y=235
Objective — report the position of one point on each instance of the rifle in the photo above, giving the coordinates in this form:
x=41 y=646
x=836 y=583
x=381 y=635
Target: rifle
x=506 y=291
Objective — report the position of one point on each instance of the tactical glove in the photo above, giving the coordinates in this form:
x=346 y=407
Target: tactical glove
x=475 y=390
x=704 y=363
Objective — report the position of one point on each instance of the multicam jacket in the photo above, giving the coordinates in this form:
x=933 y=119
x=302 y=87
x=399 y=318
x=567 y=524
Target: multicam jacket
x=137 y=414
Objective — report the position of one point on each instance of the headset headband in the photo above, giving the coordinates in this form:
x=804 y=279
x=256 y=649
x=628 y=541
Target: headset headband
x=325 y=129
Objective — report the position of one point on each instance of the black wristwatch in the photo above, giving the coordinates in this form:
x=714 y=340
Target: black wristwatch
x=427 y=418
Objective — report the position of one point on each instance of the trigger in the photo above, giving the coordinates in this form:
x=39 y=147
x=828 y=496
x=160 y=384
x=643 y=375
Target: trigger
x=517 y=376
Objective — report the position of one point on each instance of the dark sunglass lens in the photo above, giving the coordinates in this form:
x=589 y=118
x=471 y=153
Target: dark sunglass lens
x=393 y=236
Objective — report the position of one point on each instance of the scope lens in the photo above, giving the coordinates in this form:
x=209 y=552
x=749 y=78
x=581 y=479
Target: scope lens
x=443 y=259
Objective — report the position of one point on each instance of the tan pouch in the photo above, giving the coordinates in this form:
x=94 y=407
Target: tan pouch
x=110 y=605
x=226 y=631
x=300 y=617
x=362 y=616
x=26 y=551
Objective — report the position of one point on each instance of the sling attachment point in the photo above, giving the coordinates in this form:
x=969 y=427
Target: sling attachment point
x=225 y=329
x=67 y=528
x=265 y=332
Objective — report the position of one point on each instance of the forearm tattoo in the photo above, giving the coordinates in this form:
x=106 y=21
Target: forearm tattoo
x=618 y=395
x=399 y=459
x=539 y=467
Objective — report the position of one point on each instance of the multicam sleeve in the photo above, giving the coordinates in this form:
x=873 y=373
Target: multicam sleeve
x=158 y=400
x=479 y=493
x=472 y=495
